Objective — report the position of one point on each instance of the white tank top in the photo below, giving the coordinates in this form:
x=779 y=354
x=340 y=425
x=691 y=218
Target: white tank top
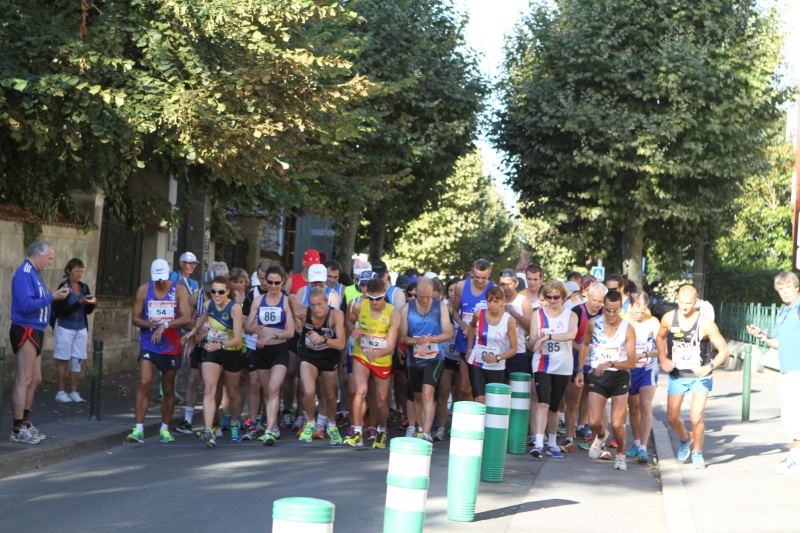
x=521 y=333
x=605 y=350
x=553 y=357
x=490 y=339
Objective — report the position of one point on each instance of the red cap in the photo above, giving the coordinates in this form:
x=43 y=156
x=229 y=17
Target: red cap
x=311 y=257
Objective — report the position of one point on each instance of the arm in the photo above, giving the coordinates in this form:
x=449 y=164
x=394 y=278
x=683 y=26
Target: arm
x=712 y=331
x=289 y=328
x=471 y=331
x=448 y=332
x=533 y=335
x=287 y=285
x=399 y=298
x=404 y=338
x=338 y=328
x=456 y=303
x=251 y=324
x=756 y=332
x=661 y=343
x=24 y=293
x=352 y=318
x=138 y=310
x=334 y=300
x=91 y=303
x=236 y=315
x=586 y=345
x=523 y=319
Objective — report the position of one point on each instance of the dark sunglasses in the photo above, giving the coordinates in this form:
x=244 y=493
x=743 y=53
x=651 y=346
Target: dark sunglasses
x=553 y=298
x=412 y=294
x=507 y=274
x=273 y=282
x=376 y=298
x=223 y=291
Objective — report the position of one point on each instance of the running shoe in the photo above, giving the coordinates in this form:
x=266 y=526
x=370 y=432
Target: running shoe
x=74 y=397
x=354 y=440
x=562 y=429
x=335 y=437
x=226 y=423
x=633 y=452
x=135 y=436
x=439 y=436
x=568 y=446
x=641 y=457
x=536 y=452
x=411 y=432
x=276 y=433
x=249 y=432
x=35 y=432
x=307 y=433
x=583 y=433
x=299 y=422
x=531 y=439
x=373 y=434
x=605 y=455
x=184 y=427
x=684 y=451
x=286 y=420
x=261 y=426
x=621 y=462
x=217 y=431
x=319 y=432
x=351 y=431
x=207 y=438
x=585 y=445
x=403 y=424
x=380 y=440
x=613 y=443
x=267 y=439
x=62 y=397
x=165 y=436
x=23 y=436
x=555 y=452
x=596 y=448
x=424 y=436
x=236 y=434
x=698 y=461
x=342 y=420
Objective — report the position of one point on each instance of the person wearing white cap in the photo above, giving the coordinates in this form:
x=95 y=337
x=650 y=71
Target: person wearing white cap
x=317 y=277
x=573 y=295
x=188 y=262
x=160 y=311
x=352 y=292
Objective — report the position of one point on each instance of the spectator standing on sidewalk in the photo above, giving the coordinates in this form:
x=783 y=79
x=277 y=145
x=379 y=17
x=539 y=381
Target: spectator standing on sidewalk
x=30 y=314
x=71 y=329
x=188 y=262
x=786 y=339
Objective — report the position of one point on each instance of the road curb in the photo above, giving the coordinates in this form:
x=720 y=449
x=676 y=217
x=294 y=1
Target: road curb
x=676 y=501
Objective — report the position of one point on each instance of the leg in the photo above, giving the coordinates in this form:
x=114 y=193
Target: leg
x=232 y=382
x=146 y=372
x=34 y=383
x=329 y=381
x=573 y=399
x=75 y=373
x=427 y=409
x=635 y=415
x=445 y=388
x=192 y=388
x=674 y=416
x=168 y=402
x=464 y=386
x=27 y=361
x=275 y=379
x=646 y=395
x=211 y=373
x=618 y=412
x=290 y=383
x=699 y=400
x=308 y=379
x=596 y=408
x=255 y=392
x=360 y=379
x=382 y=388
x=61 y=373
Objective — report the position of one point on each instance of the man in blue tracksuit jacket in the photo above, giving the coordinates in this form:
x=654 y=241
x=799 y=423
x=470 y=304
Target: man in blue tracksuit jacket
x=30 y=314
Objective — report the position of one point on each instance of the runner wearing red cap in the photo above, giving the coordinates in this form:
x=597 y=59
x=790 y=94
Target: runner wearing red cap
x=300 y=280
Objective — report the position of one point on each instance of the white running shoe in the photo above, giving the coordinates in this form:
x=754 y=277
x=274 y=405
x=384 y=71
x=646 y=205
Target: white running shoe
x=63 y=397
x=621 y=462
x=76 y=398
x=440 y=434
x=596 y=448
x=411 y=432
x=24 y=437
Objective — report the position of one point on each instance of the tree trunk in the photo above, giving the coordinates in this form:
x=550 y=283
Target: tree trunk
x=699 y=270
x=347 y=244
x=632 y=245
x=377 y=240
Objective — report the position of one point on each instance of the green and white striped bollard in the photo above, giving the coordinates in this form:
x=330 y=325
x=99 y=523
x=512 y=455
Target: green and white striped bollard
x=308 y=515
x=520 y=412
x=498 y=408
x=464 y=462
x=407 y=485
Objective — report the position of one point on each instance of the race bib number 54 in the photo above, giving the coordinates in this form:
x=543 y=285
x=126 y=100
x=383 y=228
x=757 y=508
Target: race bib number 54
x=160 y=311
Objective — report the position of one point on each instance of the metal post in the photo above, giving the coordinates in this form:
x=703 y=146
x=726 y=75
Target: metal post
x=746 y=376
x=2 y=380
x=97 y=379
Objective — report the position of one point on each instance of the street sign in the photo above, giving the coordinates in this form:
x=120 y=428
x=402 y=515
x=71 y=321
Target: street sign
x=599 y=272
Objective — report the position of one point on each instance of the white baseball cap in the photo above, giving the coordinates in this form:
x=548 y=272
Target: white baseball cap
x=431 y=275
x=159 y=270
x=317 y=273
x=188 y=257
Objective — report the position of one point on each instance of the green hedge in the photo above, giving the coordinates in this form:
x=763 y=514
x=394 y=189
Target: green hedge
x=730 y=284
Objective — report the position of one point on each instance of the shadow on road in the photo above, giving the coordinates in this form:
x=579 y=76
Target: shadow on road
x=523 y=508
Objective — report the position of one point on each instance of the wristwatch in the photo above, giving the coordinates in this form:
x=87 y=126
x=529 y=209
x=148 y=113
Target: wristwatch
x=712 y=365
x=612 y=364
x=276 y=336
x=497 y=358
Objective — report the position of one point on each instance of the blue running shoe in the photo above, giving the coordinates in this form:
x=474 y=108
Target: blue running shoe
x=641 y=457
x=698 y=461
x=685 y=450
x=553 y=451
x=536 y=452
x=630 y=454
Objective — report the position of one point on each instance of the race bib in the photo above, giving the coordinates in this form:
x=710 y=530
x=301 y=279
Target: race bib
x=160 y=311
x=478 y=351
x=428 y=351
x=269 y=316
x=686 y=357
x=553 y=347
x=641 y=360
x=214 y=335
x=312 y=346
x=467 y=318
x=450 y=350
x=605 y=354
x=371 y=343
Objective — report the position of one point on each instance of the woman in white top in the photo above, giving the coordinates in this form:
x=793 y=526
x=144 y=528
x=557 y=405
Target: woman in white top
x=644 y=376
x=553 y=329
x=492 y=338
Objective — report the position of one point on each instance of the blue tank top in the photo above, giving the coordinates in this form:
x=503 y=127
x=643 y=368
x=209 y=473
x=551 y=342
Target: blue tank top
x=220 y=323
x=272 y=316
x=469 y=305
x=328 y=291
x=419 y=325
x=164 y=310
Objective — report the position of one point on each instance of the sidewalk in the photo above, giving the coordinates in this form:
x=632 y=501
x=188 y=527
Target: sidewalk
x=737 y=492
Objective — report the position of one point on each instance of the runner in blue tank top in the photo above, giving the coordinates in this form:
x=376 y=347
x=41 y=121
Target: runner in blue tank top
x=425 y=326
x=160 y=311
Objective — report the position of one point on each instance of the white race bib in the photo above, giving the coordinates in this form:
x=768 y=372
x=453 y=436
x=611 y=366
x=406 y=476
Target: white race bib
x=641 y=360
x=478 y=351
x=686 y=357
x=160 y=311
x=428 y=351
x=269 y=316
x=316 y=347
x=214 y=335
x=371 y=343
x=605 y=354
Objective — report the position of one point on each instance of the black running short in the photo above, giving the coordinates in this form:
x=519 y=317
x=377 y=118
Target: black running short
x=550 y=388
x=230 y=360
x=429 y=374
x=270 y=355
x=610 y=383
x=20 y=334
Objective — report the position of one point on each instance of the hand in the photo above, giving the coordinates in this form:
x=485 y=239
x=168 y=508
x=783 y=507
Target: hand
x=160 y=328
x=668 y=365
x=62 y=293
x=755 y=331
x=201 y=333
x=259 y=330
x=489 y=358
x=186 y=338
x=579 y=379
x=356 y=334
x=213 y=346
x=315 y=337
x=90 y=300
x=537 y=346
x=601 y=368
x=464 y=327
x=261 y=342
x=702 y=371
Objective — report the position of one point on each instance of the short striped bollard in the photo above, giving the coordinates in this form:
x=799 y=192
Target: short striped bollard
x=498 y=407
x=308 y=515
x=464 y=463
x=520 y=412
x=407 y=485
